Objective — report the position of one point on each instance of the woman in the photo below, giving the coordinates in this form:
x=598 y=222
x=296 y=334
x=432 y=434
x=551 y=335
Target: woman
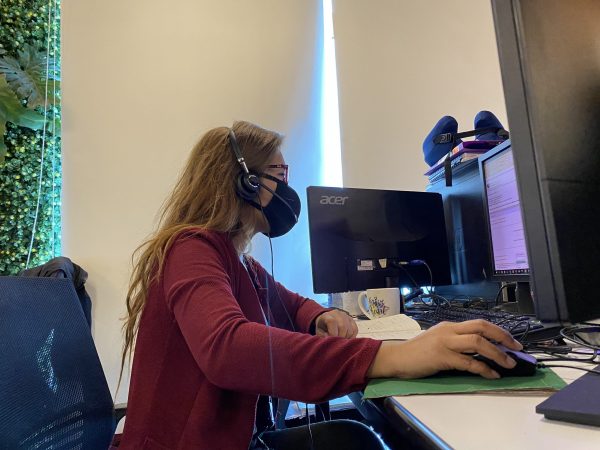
x=213 y=330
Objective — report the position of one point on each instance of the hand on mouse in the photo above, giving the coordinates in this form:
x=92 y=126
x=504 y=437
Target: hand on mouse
x=443 y=347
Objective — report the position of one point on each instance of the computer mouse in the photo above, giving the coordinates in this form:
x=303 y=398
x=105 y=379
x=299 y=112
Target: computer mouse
x=526 y=363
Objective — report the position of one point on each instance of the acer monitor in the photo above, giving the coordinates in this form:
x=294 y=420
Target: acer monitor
x=367 y=238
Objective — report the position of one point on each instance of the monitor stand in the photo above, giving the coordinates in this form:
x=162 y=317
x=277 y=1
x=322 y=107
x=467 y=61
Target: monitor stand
x=520 y=300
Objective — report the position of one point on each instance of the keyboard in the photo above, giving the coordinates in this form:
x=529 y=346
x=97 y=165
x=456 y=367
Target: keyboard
x=514 y=323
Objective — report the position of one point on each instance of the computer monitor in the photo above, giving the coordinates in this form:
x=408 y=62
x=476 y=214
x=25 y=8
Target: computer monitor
x=550 y=62
x=502 y=207
x=367 y=238
x=504 y=220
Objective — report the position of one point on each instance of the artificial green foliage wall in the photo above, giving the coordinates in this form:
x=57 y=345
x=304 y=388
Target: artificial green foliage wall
x=25 y=25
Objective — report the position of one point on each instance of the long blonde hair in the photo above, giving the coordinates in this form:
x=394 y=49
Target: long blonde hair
x=205 y=197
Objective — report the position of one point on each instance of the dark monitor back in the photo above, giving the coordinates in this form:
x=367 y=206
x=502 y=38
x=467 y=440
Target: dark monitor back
x=348 y=224
x=550 y=62
x=466 y=234
x=465 y=224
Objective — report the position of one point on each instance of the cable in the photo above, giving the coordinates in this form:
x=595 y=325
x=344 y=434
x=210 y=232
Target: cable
x=312 y=445
x=277 y=289
x=53 y=160
x=400 y=266
x=435 y=300
x=546 y=366
x=43 y=152
x=554 y=357
x=422 y=261
x=281 y=302
x=571 y=334
x=506 y=285
x=513 y=331
x=561 y=353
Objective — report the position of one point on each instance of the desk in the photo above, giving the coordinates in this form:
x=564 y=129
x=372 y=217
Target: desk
x=489 y=421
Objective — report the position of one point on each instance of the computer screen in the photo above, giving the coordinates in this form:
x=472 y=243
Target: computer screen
x=368 y=238
x=550 y=63
x=502 y=210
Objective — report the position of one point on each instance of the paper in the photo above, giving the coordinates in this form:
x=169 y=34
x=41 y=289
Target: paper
x=396 y=327
x=544 y=380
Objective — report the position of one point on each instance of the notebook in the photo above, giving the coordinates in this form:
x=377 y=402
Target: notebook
x=396 y=327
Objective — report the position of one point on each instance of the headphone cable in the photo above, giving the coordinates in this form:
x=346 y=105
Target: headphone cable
x=284 y=308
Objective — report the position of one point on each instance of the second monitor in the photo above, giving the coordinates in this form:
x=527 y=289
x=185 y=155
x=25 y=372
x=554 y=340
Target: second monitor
x=367 y=238
x=504 y=219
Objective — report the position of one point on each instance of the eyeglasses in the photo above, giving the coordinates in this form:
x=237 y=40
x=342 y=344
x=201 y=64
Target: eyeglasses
x=283 y=168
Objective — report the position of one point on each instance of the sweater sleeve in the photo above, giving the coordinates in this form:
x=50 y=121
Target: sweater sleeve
x=302 y=311
x=239 y=355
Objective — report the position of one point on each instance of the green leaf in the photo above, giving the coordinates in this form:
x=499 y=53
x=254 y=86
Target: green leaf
x=27 y=76
x=54 y=126
x=30 y=119
x=11 y=110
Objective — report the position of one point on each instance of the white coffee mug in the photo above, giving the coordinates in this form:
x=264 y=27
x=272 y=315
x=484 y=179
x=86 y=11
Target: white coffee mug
x=376 y=303
x=350 y=303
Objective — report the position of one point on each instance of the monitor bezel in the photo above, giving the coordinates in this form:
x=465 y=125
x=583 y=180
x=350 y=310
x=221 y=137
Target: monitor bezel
x=493 y=276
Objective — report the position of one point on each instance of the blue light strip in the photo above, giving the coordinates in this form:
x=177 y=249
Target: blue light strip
x=331 y=168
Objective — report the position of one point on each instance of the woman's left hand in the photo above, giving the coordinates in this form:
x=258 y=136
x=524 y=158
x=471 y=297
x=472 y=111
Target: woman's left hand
x=335 y=323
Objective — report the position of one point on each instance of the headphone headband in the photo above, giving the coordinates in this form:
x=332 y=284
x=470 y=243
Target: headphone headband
x=247 y=183
x=236 y=151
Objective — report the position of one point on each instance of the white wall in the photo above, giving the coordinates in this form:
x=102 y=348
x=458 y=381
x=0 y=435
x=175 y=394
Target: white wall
x=142 y=80
x=402 y=65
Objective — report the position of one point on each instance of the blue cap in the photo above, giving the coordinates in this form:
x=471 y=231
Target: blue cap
x=433 y=151
x=487 y=119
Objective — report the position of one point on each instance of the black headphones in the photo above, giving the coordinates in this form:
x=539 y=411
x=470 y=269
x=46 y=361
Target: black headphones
x=247 y=184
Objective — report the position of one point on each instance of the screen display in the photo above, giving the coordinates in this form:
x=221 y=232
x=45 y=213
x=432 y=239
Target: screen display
x=509 y=250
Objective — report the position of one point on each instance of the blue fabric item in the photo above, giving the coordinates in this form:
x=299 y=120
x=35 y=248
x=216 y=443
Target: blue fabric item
x=433 y=152
x=53 y=393
x=487 y=119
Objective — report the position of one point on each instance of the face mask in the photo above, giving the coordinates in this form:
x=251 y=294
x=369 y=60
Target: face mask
x=282 y=211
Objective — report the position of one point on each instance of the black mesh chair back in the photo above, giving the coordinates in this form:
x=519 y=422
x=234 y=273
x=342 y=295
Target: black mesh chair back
x=53 y=393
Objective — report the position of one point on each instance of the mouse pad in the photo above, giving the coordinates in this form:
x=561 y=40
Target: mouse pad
x=544 y=380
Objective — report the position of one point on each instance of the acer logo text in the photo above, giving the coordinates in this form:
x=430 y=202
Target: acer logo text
x=333 y=200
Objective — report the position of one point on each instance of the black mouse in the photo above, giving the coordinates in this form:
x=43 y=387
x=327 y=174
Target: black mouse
x=525 y=367
x=526 y=364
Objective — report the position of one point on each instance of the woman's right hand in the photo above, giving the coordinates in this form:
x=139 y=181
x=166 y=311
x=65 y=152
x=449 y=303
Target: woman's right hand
x=443 y=347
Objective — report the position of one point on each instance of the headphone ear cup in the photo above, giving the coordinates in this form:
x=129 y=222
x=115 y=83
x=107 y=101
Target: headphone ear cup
x=247 y=185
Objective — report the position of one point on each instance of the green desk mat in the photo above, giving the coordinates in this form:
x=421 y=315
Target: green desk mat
x=545 y=380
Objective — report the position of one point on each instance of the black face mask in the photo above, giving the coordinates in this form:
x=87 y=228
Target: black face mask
x=282 y=211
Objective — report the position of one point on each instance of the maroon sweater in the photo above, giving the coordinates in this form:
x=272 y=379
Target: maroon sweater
x=204 y=354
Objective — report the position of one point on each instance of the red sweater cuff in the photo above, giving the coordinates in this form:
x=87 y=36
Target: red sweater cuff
x=307 y=313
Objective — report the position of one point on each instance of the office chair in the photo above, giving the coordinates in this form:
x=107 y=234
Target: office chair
x=53 y=393
x=63 y=267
